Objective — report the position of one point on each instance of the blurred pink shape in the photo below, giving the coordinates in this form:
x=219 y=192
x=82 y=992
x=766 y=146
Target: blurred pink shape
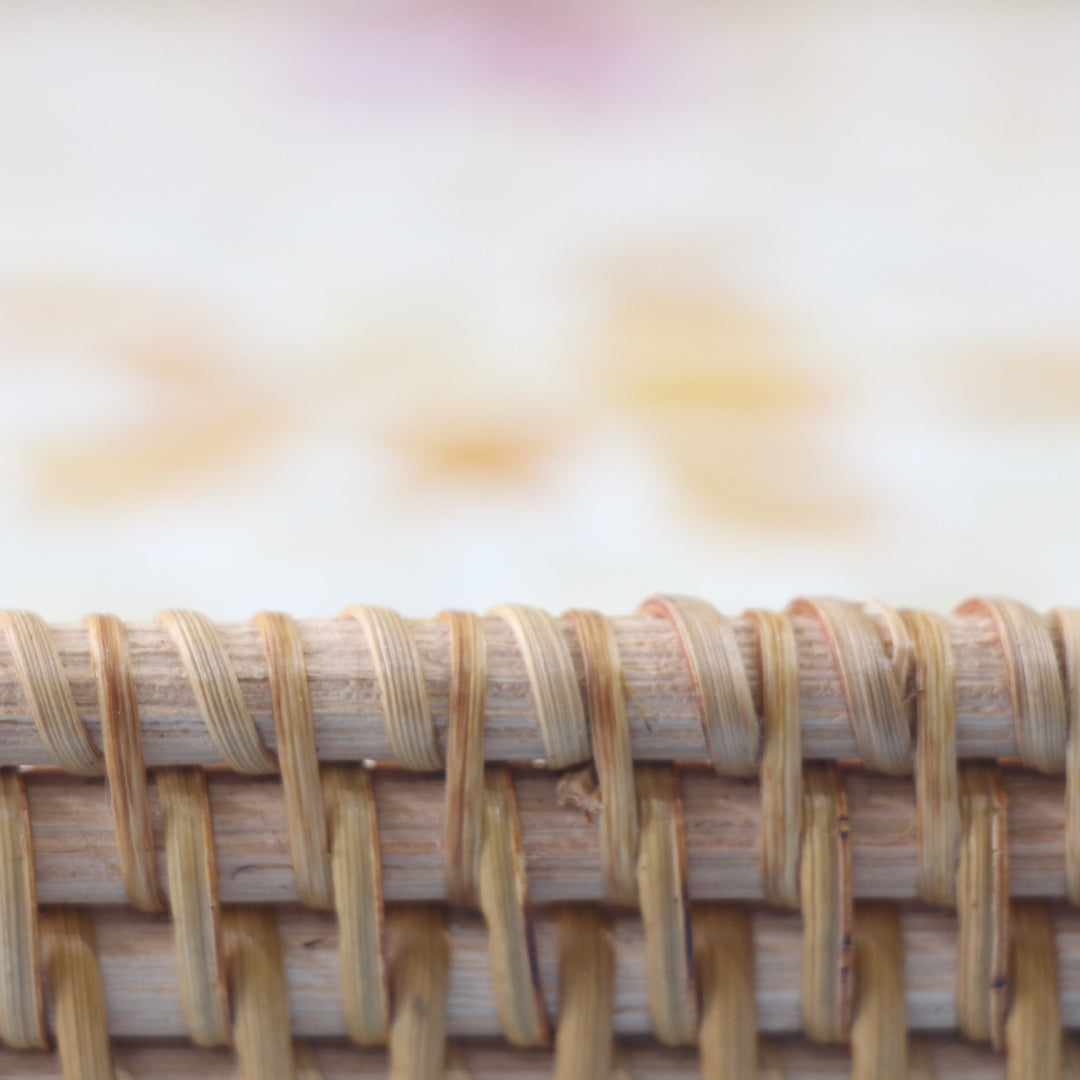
x=413 y=53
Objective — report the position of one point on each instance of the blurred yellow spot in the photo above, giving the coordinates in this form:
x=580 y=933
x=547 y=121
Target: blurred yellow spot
x=148 y=458
x=670 y=347
x=715 y=386
x=195 y=418
x=684 y=351
x=745 y=391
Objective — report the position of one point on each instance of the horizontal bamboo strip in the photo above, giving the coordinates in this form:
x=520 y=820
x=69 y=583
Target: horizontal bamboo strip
x=664 y=717
x=76 y=859
x=138 y=969
x=645 y=1060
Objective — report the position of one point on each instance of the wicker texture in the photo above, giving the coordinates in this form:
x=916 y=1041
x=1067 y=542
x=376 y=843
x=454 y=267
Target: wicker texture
x=635 y=902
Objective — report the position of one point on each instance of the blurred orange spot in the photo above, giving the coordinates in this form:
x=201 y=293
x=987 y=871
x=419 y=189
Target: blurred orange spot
x=482 y=452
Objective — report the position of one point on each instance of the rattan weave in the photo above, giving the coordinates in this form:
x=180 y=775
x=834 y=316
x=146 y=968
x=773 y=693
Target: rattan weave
x=839 y=840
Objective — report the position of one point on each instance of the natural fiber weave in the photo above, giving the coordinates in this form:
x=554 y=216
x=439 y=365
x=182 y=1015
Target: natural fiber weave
x=840 y=840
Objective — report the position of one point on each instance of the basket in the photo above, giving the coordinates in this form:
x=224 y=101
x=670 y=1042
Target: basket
x=842 y=840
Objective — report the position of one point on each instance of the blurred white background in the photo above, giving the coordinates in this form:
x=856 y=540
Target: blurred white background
x=448 y=304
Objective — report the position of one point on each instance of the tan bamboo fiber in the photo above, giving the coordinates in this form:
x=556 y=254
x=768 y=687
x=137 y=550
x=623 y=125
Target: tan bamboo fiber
x=139 y=970
x=659 y=844
x=934 y=1057
x=664 y=715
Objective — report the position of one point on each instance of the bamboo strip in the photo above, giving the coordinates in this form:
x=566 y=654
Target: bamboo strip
x=358 y=901
x=138 y=968
x=723 y=956
x=67 y=943
x=982 y=896
x=504 y=900
x=216 y=689
x=21 y=1020
x=874 y=694
x=583 y=1043
x=419 y=964
x=664 y=908
x=76 y=858
x=124 y=766
x=193 y=904
x=879 y=1037
x=793 y=1060
x=463 y=827
x=937 y=810
x=718 y=673
x=38 y=666
x=305 y=806
x=664 y=717
x=825 y=888
x=781 y=760
x=1034 y=1051
x=259 y=1004
x=605 y=693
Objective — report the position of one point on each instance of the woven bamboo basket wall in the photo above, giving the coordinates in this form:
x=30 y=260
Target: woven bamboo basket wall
x=841 y=840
